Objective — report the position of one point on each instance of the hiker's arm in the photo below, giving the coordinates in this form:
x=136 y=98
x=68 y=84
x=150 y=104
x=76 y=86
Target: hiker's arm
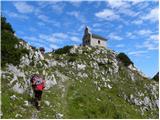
x=44 y=83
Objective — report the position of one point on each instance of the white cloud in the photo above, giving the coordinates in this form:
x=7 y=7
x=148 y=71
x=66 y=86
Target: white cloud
x=152 y=15
x=137 y=22
x=81 y=28
x=15 y=15
x=40 y=23
x=44 y=18
x=130 y=35
x=57 y=8
x=113 y=36
x=134 y=2
x=59 y=38
x=97 y=30
x=151 y=43
x=76 y=3
x=32 y=29
x=120 y=46
x=97 y=25
x=107 y=14
x=54 y=46
x=75 y=39
x=154 y=37
x=23 y=7
x=74 y=13
x=144 y=32
x=128 y=12
x=137 y=53
x=78 y=16
x=118 y=3
x=60 y=35
x=30 y=38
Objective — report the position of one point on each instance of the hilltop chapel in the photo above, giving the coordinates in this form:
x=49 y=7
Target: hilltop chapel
x=91 y=39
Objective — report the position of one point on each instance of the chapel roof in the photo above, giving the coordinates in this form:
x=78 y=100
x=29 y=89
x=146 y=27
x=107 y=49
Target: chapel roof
x=99 y=37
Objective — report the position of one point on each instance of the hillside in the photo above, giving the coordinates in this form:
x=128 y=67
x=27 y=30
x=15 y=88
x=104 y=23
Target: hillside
x=81 y=82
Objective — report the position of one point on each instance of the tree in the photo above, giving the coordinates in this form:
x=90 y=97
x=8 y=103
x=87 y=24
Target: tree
x=42 y=49
x=5 y=25
x=156 y=77
x=124 y=59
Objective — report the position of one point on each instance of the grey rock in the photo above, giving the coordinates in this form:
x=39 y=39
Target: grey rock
x=59 y=116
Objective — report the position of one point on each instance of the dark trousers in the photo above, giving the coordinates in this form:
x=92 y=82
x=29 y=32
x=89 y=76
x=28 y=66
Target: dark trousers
x=38 y=94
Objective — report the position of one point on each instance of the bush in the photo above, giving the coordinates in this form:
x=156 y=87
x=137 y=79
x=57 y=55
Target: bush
x=63 y=50
x=72 y=59
x=124 y=59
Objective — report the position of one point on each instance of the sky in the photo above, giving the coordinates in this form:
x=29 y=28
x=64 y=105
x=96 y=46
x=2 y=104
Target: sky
x=131 y=26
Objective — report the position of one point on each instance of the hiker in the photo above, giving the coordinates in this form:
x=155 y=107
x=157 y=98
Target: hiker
x=38 y=84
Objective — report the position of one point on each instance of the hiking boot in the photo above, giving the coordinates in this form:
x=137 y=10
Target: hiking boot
x=39 y=103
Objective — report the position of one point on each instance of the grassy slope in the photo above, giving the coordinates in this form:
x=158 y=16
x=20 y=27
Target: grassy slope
x=81 y=99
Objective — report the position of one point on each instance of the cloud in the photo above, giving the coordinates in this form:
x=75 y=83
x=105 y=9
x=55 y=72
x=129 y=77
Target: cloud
x=75 y=39
x=120 y=46
x=74 y=13
x=144 y=32
x=152 y=43
x=154 y=37
x=137 y=22
x=40 y=23
x=113 y=36
x=23 y=7
x=52 y=41
x=32 y=29
x=107 y=14
x=30 y=38
x=15 y=15
x=137 y=53
x=128 y=12
x=57 y=7
x=134 y=2
x=130 y=35
x=75 y=3
x=81 y=28
x=152 y=15
x=53 y=46
x=118 y=3
x=59 y=38
x=97 y=25
x=44 y=18
x=78 y=16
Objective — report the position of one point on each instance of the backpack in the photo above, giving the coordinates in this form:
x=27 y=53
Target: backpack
x=37 y=82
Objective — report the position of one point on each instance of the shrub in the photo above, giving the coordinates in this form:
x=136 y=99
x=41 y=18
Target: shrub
x=72 y=59
x=124 y=59
x=63 y=50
